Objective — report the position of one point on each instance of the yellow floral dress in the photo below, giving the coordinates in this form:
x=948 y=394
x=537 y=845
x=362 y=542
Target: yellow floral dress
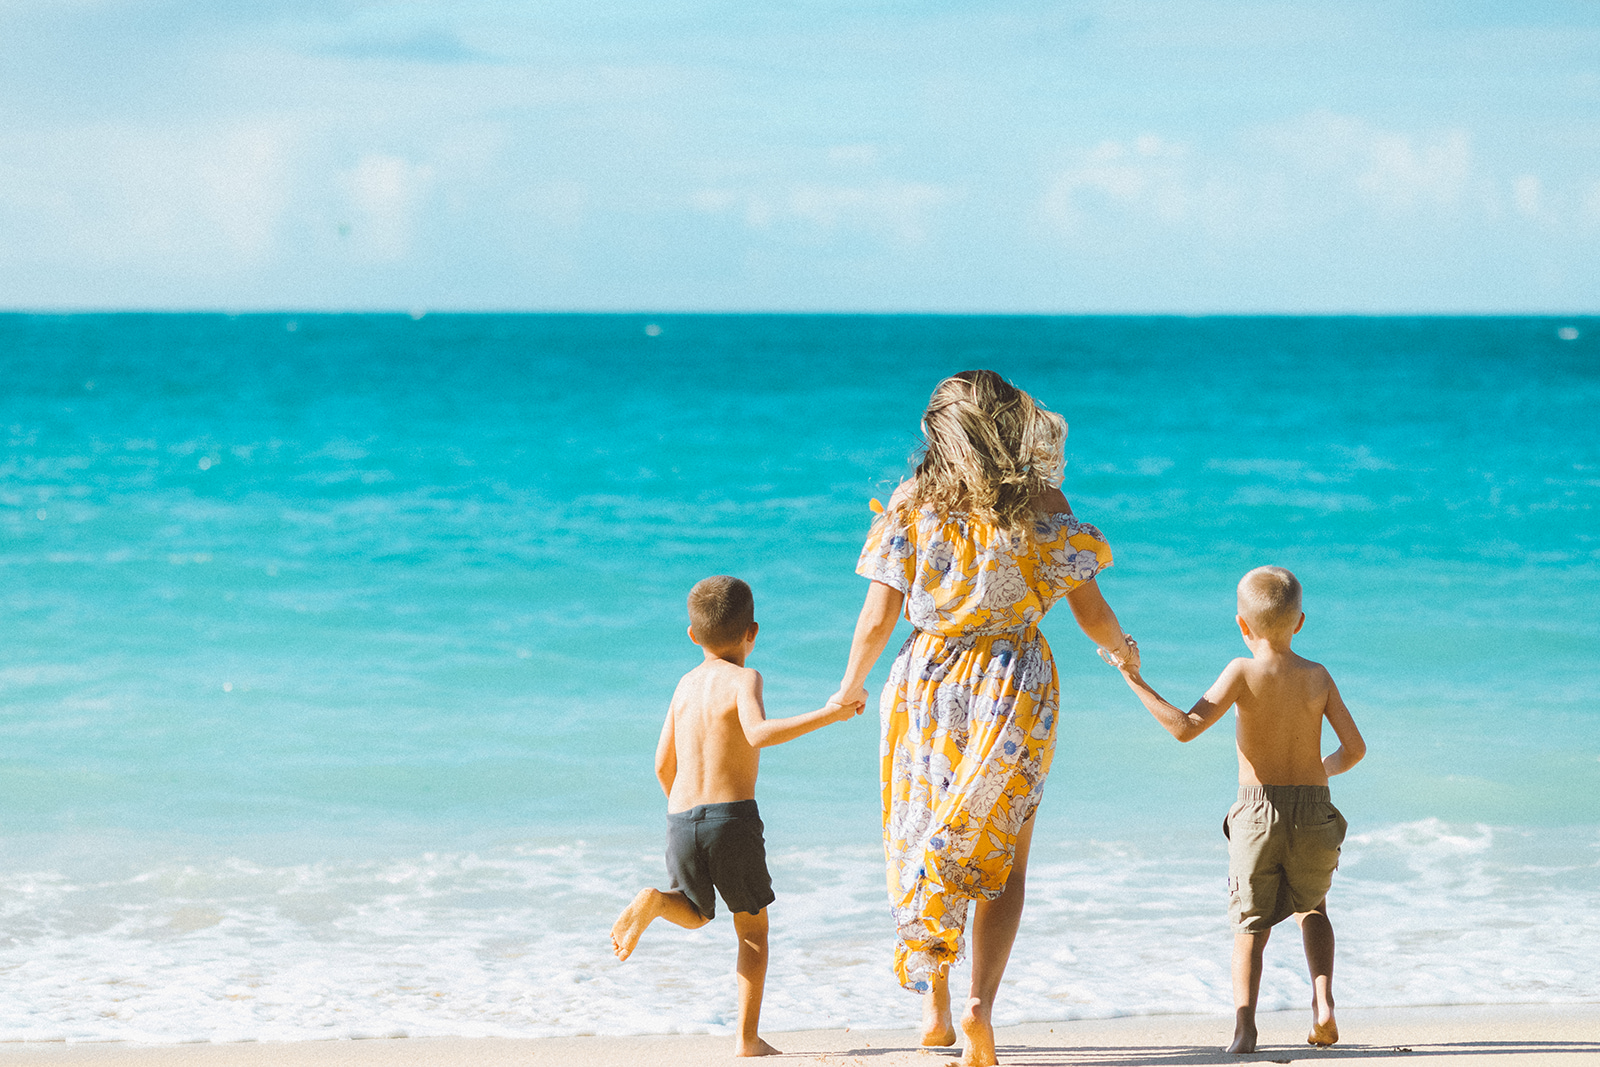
x=969 y=714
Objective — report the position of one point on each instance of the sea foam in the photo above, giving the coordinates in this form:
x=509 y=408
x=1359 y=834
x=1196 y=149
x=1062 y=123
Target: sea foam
x=513 y=941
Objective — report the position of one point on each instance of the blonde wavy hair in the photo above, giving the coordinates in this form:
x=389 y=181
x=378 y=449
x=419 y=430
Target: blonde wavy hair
x=989 y=449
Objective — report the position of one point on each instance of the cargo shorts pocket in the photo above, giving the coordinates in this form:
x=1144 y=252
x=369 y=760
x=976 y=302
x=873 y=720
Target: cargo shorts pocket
x=1326 y=828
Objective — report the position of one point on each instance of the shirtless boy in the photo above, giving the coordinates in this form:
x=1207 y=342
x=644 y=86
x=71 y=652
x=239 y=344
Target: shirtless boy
x=707 y=760
x=1283 y=833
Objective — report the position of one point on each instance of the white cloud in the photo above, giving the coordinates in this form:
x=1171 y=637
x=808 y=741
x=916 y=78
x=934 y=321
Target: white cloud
x=856 y=155
x=1525 y=194
x=387 y=193
x=1288 y=180
x=1591 y=204
x=900 y=211
x=1147 y=176
x=1397 y=171
x=112 y=194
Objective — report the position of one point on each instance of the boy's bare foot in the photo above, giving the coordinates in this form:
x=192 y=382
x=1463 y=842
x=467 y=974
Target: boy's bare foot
x=758 y=1047
x=1244 y=1032
x=1323 y=1033
x=979 y=1032
x=630 y=925
x=937 y=1029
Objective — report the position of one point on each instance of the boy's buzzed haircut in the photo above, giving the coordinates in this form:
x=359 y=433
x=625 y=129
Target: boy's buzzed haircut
x=1269 y=599
x=721 y=609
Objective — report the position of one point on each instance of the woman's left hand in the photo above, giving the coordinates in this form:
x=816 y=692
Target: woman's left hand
x=858 y=695
x=1127 y=660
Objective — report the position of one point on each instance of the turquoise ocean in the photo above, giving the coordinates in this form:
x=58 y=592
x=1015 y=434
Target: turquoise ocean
x=336 y=648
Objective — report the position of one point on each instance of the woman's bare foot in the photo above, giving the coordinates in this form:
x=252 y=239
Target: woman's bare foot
x=630 y=925
x=1244 y=1031
x=979 y=1032
x=937 y=1029
x=758 y=1047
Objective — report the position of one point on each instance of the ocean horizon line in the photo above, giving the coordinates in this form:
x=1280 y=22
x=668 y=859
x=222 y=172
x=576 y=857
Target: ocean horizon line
x=422 y=311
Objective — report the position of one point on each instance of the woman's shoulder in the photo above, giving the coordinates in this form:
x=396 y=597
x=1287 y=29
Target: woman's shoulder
x=902 y=492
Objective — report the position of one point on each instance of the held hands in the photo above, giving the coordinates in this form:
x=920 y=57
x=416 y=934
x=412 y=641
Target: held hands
x=847 y=705
x=843 y=712
x=1127 y=661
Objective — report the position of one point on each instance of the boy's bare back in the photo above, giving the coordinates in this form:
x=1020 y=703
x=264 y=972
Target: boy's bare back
x=717 y=725
x=713 y=761
x=1282 y=699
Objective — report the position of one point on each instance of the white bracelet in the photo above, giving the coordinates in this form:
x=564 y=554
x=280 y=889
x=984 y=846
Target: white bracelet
x=1114 y=659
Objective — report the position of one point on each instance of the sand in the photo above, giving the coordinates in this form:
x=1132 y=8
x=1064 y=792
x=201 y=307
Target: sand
x=1509 y=1035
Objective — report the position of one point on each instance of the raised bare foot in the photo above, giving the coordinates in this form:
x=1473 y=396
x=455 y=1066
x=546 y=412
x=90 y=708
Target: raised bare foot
x=1323 y=1033
x=758 y=1047
x=976 y=1028
x=937 y=1029
x=630 y=925
x=1244 y=1032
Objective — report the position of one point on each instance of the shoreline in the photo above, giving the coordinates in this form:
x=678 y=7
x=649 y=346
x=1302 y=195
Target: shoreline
x=1525 y=1035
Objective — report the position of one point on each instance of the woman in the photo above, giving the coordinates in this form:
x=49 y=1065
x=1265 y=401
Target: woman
x=976 y=546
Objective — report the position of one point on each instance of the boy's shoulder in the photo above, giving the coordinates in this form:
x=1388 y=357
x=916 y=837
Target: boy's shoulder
x=1312 y=667
x=1291 y=663
x=718 y=674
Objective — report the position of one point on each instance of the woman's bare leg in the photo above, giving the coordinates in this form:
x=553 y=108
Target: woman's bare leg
x=994 y=929
x=937 y=1029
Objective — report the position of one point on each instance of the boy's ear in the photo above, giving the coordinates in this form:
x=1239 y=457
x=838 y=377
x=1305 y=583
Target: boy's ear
x=1244 y=627
x=750 y=634
x=1299 y=624
x=692 y=637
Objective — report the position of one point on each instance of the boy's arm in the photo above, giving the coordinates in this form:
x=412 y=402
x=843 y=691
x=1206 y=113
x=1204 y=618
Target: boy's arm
x=1186 y=726
x=666 y=757
x=1351 y=745
x=763 y=732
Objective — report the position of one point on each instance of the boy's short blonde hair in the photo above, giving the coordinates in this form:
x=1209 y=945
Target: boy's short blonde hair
x=721 y=609
x=1269 y=600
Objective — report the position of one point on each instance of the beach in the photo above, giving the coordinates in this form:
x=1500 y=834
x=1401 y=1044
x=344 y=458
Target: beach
x=1477 y=1036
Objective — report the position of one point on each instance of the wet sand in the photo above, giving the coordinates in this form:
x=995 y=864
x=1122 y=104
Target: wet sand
x=1508 y=1035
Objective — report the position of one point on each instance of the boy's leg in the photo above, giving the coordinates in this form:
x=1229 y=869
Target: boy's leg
x=994 y=929
x=752 y=970
x=1248 y=950
x=937 y=1029
x=648 y=906
x=1317 y=932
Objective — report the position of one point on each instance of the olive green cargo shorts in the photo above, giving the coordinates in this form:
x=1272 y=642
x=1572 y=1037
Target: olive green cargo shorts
x=1283 y=847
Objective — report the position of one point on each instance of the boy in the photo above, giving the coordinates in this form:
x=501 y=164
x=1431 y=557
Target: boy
x=707 y=761
x=1283 y=833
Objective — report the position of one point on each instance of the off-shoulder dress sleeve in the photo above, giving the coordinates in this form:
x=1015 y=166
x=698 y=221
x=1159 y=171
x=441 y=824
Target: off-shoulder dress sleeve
x=890 y=554
x=1072 y=552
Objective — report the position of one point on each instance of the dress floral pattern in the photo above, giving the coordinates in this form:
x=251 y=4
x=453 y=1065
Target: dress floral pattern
x=969 y=714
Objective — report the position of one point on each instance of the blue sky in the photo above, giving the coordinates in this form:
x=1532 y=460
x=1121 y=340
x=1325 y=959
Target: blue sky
x=878 y=156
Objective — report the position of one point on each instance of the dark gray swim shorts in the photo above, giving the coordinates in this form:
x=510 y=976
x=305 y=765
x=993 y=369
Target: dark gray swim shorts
x=1283 y=847
x=719 y=845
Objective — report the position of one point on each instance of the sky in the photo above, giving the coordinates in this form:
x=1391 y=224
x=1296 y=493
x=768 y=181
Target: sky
x=813 y=155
